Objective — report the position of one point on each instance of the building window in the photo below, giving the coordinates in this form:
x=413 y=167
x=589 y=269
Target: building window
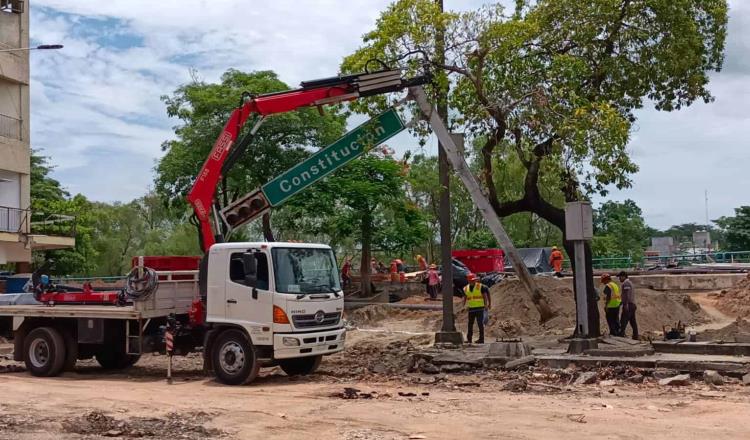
x=12 y=6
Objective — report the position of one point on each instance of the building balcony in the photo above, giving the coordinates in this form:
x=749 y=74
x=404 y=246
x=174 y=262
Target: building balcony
x=38 y=231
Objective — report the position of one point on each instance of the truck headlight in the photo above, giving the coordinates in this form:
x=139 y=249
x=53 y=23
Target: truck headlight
x=290 y=342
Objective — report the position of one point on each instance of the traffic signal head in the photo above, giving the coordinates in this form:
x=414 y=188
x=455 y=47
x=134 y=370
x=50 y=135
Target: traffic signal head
x=246 y=208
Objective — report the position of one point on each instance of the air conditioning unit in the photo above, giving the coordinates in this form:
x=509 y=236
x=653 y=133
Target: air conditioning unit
x=13 y=6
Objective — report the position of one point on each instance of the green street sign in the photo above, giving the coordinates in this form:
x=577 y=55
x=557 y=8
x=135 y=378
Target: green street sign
x=373 y=132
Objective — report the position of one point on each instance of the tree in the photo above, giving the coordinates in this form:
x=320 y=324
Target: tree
x=736 y=229
x=49 y=197
x=620 y=230
x=44 y=187
x=555 y=83
x=367 y=200
x=203 y=109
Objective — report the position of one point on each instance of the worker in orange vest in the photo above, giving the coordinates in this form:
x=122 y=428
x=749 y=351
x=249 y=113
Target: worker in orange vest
x=556 y=261
x=421 y=262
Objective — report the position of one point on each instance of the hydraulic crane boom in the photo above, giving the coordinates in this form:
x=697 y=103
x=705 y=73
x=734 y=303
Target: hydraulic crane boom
x=314 y=93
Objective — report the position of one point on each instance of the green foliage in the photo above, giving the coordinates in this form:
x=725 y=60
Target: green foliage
x=736 y=229
x=620 y=230
x=44 y=187
x=107 y=235
x=204 y=108
x=556 y=82
x=481 y=239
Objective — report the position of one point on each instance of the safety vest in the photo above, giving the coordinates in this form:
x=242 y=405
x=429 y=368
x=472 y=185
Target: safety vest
x=615 y=299
x=474 y=298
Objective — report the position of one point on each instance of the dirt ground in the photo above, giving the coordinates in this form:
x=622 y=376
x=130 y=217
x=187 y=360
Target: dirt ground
x=368 y=392
x=90 y=404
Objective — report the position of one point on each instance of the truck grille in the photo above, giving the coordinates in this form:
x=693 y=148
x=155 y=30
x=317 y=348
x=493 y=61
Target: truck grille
x=307 y=321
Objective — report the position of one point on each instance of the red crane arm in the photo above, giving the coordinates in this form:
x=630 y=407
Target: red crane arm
x=312 y=93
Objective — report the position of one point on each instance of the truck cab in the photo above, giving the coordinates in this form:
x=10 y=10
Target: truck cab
x=284 y=299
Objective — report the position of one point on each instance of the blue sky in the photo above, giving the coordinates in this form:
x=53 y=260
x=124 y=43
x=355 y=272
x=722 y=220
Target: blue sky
x=96 y=107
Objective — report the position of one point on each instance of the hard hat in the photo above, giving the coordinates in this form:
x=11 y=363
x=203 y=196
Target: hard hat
x=471 y=277
x=554 y=248
x=44 y=279
x=433 y=266
x=605 y=277
x=418 y=256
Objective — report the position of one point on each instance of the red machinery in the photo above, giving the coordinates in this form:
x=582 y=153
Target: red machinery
x=225 y=153
x=481 y=260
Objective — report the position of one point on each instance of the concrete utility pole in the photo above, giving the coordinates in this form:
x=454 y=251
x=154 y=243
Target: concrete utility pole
x=461 y=168
x=448 y=333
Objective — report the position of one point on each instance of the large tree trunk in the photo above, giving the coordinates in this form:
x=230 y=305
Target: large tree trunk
x=267 y=231
x=364 y=264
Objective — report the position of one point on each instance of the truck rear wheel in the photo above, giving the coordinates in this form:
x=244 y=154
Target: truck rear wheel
x=300 y=366
x=234 y=358
x=44 y=352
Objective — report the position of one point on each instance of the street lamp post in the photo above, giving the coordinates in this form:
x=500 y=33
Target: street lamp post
x=40 y=47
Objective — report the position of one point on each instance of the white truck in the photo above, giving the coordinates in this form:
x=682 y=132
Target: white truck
x=266 y=304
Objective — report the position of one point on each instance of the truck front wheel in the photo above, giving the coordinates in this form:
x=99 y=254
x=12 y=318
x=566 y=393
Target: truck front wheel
x=44 y=352
x=300 y=366
x=235 y=360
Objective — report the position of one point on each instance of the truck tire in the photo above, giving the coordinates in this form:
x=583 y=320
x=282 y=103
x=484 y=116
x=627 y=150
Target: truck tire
x=44 y=352
x=235 y=360
x=116 y=360
x=71 y=350
x=300 y=366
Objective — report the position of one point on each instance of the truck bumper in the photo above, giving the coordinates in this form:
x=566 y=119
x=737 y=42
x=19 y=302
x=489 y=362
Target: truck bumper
x=310 y=344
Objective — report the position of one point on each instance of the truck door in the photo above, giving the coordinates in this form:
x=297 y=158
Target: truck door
x=246 y=305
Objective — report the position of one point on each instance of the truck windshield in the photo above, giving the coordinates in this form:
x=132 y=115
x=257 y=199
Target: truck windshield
x=305 y=270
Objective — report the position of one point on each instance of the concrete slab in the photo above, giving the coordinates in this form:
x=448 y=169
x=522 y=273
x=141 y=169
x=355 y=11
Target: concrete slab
x=735 y=366
x=620 y=352
x=702 y=348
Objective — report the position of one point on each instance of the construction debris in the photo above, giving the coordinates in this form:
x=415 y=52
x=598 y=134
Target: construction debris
x=521 y=362
x=515 y=385
x=679 y=380
x=713 y=377
x=172 y=426
x=585 y=378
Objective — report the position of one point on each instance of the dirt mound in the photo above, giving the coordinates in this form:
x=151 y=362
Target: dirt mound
x=397 y=319
x=513 y=313
x=736 y=301
x=728 y=333
x=377 y=353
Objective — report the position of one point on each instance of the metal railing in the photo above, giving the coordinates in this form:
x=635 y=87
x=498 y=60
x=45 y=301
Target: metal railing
x=58 y=225
x=12 y=219
x=11 y=127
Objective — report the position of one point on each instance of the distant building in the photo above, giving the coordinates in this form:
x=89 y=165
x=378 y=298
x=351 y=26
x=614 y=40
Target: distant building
x=662 y=246
x=18 y=236
x=702 y=239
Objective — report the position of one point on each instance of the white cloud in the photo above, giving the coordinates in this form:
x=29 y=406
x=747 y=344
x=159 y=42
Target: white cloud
x=96 y=107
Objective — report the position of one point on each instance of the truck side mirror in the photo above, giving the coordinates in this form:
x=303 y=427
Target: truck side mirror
x=251 y=269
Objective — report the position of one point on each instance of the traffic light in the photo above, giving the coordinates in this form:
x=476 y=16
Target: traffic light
x=245 y=209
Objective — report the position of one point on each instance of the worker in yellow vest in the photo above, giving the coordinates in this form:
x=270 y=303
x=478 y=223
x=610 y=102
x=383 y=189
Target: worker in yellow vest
x=476 y=301
x=612 y=303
